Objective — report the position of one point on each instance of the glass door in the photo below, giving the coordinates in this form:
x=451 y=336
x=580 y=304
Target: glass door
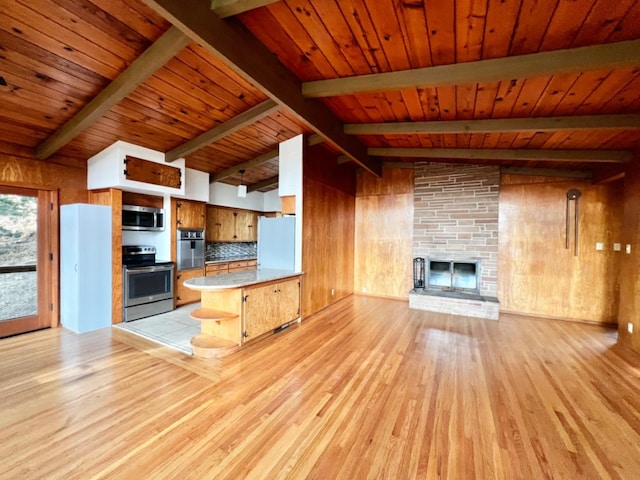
x=25 y=260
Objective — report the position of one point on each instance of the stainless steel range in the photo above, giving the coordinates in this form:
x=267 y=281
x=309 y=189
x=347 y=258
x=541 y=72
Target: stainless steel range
x=147 y=284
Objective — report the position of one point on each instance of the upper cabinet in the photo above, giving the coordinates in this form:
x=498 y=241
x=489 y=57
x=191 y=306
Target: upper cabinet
x=246 y=224
x=231 y=225
x=190 y=214
x=220 y=225
x=134 y=168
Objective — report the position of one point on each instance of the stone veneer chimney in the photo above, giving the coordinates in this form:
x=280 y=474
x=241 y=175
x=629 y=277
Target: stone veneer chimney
x=456 y=217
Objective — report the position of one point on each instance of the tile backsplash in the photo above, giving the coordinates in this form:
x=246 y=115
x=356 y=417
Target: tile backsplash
x=218 y=250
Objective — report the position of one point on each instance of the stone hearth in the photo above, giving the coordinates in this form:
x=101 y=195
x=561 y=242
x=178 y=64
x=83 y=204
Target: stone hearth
x=454 y=303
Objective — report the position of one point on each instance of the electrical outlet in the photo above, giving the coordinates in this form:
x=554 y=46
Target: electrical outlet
x=333 y=292
x=628 y=249
x=364 y=289
x=630 y=327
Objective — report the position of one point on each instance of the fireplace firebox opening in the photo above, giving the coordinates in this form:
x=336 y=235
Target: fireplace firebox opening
x=456 y=276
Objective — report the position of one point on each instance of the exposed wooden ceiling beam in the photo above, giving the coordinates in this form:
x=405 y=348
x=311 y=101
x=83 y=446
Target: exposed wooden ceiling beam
x=546 y=172
x=315 y=139
x=598 y=156
x=540 y=124
x=238 y=122
x=248 y=165
x=574 y=60
x=403 y=165
x=269 y=182
x=609 y=174
x=228 y=8
x=245 y=54
x=153 y=58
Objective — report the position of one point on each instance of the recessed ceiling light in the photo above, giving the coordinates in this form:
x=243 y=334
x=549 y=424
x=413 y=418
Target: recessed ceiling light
x=3 y=82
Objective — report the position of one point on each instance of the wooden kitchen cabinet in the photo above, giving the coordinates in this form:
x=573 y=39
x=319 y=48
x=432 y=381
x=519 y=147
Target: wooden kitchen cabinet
x=269 y=306
x=190 y=214
x=227 y=221
x=233 y=316
x=183 y=294
x=229 y=267
x=216 y=269
x=240 y=265
x=246 y=226
x=220 y=224
x=211 y=225
x=231 y=225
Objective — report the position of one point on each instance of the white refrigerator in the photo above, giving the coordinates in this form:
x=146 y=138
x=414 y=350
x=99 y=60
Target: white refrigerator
x=276 y=243
x=85 y=267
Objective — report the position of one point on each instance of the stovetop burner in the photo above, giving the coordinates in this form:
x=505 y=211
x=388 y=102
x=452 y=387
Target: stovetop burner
x=138 y=255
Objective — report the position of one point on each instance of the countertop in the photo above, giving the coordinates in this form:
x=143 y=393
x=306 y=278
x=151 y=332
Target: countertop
x=238 y=279
x=213 y=260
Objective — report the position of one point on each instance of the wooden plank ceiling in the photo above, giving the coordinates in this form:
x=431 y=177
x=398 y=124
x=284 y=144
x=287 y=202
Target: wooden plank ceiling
x=56 y=56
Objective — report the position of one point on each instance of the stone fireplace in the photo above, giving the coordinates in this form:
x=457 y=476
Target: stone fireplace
x=456 y=232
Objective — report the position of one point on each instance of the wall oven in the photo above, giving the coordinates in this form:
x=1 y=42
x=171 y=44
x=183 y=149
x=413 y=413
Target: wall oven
x=147 y=284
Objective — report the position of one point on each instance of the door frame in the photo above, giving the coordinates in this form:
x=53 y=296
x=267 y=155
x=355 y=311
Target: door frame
x=48 y=277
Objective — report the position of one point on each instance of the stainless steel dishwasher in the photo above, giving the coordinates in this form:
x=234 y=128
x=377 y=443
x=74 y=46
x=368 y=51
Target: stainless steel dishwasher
x=190 y=246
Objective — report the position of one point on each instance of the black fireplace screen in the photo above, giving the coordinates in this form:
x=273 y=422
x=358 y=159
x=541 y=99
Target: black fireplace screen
x=418 y=272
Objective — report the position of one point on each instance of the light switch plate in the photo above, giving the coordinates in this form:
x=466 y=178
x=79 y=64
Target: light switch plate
x=617 y=247
x=599 y=246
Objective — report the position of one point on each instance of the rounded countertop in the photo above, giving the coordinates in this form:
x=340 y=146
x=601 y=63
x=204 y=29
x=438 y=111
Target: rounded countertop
x=238 y=279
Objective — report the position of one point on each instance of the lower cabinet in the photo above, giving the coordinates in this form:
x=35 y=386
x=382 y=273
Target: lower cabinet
x=232 y=317
x=241 y=265
x=183 y=294
x=229 y=267
x=216 y=269
x=266 y=307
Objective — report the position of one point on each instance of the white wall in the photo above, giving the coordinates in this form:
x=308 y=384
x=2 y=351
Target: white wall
x=227 y=196
x=290 y=183
x=196 y=185
x=272 y=201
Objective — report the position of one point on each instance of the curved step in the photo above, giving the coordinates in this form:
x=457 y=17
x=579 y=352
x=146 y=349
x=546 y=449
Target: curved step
x=210 y=346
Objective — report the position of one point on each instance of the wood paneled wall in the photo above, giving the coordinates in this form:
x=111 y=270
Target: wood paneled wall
x=537 y=275
x=67 y=184
x=27 y=172
x=113 y=198
x=630 y=263
x=384 y=233
x=328 y=230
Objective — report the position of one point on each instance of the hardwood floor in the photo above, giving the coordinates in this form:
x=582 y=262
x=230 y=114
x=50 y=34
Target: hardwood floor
x=366 y=389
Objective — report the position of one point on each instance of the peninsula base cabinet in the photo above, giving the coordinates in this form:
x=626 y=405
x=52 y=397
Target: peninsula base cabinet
x=232 y=317
x=270 y=306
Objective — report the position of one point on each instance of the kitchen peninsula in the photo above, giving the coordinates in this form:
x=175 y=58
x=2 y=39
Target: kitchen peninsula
x=240 y=307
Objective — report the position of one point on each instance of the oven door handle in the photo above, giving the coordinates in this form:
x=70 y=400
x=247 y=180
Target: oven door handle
x=149 y=269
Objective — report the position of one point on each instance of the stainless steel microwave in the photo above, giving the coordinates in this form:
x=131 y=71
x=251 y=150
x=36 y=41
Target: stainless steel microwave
x=142 y=218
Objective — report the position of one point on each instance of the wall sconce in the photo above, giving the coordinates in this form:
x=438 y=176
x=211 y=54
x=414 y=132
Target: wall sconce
x=242 y=188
